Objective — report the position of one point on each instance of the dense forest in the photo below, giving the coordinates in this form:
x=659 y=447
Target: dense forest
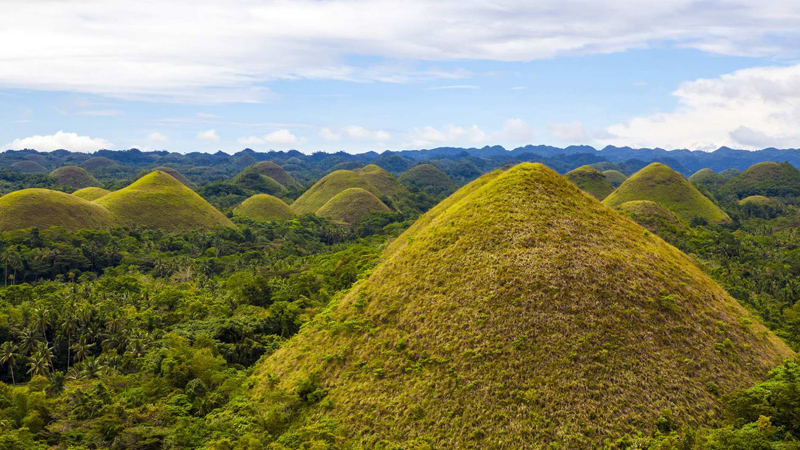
x=130 y=336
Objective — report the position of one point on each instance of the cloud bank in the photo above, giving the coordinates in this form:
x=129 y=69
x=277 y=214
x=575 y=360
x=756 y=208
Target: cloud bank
x=59 y=140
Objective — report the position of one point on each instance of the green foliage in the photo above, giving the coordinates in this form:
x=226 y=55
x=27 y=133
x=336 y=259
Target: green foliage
x=769 y=179
x=428 y=179
x=273 y=171
x=708 y=179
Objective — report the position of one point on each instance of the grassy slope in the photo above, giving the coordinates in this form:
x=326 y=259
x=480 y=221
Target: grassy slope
x=591 y=180
x=44 y=208
x=177 y=175
x=668 y=188
x=29 y=167
x=768 y=178
x=351 y=206
x=326 y=188
x=264 y=207
x=517 y=313
x=428 y=178
x=383 y=180
x=615 y=177
x=73 y=176
x=708 y=178
x=257 y=182
x=756 y=200
x=652 y=216
x=273 y=171
x=90 y=193
x=159 y=201
x=98 y=162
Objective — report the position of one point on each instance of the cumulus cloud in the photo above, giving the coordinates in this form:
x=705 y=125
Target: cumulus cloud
x=572 y=132
x=208 y=135
x=750 y=109
x=226 y=51
x=280 y=138
x=59 y=140
x=514 y=131
x=156 y=137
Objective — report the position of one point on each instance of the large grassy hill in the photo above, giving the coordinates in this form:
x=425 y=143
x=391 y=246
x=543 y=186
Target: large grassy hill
x=351 y=206
x=326 y=188
x=591 y=180
x=43 y=208
x=274 y=171
x=90 y=193
x=429 y=179
x=768 y=178
x=175 y=174
x=518 y=313
x=158 y=200
x=264 y=207
x=615 y=177
x=75 y=177
x=660 y=184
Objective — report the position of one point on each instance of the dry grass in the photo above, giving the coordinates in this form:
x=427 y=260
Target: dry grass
x=264 y=207
x=327 y=188
x=90 y=193
x=351 y=206
x=43 y=208
x=591 y=180
x=615 y=177
x=274 y=171
x=75 y=177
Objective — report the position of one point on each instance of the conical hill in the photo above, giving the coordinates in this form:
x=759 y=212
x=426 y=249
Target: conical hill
x=769 y=179
x=157 y=200
x=615 y=177
x=351 y=206
x=429 y=179
x=75 y=177
x=591 y=180
x=327 y=187
x=274 y=171
x=383 y=180
x=90 y=193
x=660 y=184
x=518 y=313
x=264 y=207
x=43 y=208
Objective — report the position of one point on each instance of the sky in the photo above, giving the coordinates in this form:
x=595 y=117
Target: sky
x=357 y=75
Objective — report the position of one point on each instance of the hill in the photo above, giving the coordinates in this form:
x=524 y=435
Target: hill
x=274 y=171
x=756 y=200
x=98 y=162
x=351 y=206
x=264 y=207
x=159 y=201
x=383 y=180
x=326 y=188
x=29 y=167
x=429 y=179
x=590 y=180
x=43 y=208
x=518 y=313
x=256 y=182
x=769 y=179
x=75 y=177
x=669 y=189
x=175 y=174
x=615 y=177
x=707 y=178
x=90 y=193
x=652 y=216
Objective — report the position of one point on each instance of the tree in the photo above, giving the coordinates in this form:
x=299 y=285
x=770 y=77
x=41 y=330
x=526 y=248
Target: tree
x=8 y=355
x=82 y=348
x=69 y=325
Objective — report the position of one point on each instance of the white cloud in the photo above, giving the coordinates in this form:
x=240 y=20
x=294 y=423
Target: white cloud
x=514 y=131
x=156 y=137
x=250 y=140
x=281 y=137
x=517 y=130
x=750 y=108
x=208 y=135
x=60 y=140
x=225 y=52
x=329 y=135
x=354 y=133
x=572 y=132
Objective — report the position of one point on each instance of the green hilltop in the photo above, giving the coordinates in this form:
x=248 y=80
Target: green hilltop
x=668 y=188
x=429 y=179
x=756 y=200
x=591 y=180
x=383 y=180
x=74 y=177
x=652 y=216
x=157 y=200
x=517 y=313
x=90 y=193
x=43 y=208
x=351 y=206
x=327 y=188
x=708 y=179
x=29 y=167
x=98 y=162
x=769 y=179
x=615 y=177
x=254 y=181
x=174 y=174
x=264 y=207
x=273 y=171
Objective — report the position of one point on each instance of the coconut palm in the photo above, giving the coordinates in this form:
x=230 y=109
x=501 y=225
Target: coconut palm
x=8 y=355
x=82 y=348
x=28 y=339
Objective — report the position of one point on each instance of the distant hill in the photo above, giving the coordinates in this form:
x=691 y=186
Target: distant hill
x=590 y=180
x=330 y=185
x=74 y=177
x=90 y=193
x=29 y=167
x=157 y=200
x=756 y=200
x=43 y=208
x=527 y=313
x=98 y=162
x=351 y=206
x=264 y=207
x=274 y=171
x=429 y=179
x=254 y=181
x=767 y=178
x=660 y=184
x=615 y=177
x=652 y=216
x=708 y=179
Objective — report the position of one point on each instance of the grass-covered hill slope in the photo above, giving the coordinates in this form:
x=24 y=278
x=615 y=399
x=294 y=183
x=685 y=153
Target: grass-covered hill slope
x=708 y=179
x=98 y=162
x=274 y=171
x=90 y=193
x=264 y=207
x=652 y=216
x=256 y=182
x=158 y=200
x=383 y=180
x=518 y=313
x=756 y=200
x=660 y=184
x=351 y=206
x=615 y=177
x=768 y=178
x=75 y=177
x=174 y=173
x=327 y=187
x=429 y=179
x=29 y=167
x=43 y=208
x=591 y=180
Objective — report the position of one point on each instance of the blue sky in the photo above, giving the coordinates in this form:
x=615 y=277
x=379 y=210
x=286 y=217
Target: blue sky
x=359 y=76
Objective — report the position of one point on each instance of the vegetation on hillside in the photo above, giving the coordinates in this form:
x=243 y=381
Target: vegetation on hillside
x=351 y=206
x=273 y=171
x=615 y=177
x=174 y=174
x=44 y=208
x=428 y=179
x=708 y=179
x=591 y=180
x=327 y=188
x=264 y=207
x=769 y=179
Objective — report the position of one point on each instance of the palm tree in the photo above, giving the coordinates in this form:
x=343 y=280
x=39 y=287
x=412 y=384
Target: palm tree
x=28 y=339
x=41 y=317
x=82 y=348
x=38 y=366
x=8 y=355
x=11 y=259
x=69 y=325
